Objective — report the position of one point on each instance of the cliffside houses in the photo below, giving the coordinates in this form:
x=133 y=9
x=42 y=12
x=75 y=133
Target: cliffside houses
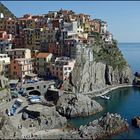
x=48 y=44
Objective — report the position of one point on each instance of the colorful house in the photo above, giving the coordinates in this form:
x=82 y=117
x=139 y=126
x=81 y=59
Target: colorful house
x=62 y=67
x=20 y=67
x=42 y=63
x=5 y=41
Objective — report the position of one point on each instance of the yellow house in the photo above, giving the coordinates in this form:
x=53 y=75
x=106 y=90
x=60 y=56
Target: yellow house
x=27 y=21
x=86 y=27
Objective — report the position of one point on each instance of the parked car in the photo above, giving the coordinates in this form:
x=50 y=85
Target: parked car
x=14 y=107
x=14 y=94
x=22 y=92
x=34 y=99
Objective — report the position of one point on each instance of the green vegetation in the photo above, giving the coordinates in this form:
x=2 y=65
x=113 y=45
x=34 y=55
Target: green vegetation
x=97 y=37
x=6 y=11
x=110 y=55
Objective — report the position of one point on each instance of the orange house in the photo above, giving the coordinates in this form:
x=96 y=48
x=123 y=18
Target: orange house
x=20 y=67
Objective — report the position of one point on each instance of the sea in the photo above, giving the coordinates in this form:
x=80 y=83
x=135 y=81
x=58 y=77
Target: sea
x=125 y=101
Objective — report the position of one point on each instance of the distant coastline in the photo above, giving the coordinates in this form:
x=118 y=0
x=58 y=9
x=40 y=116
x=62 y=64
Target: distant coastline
x=128 y=42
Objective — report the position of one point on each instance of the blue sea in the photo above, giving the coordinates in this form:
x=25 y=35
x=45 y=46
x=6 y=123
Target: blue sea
x=125 y=101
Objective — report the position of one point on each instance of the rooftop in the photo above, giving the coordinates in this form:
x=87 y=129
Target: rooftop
x=43 y=55
x=20 y=49
x=22 y=59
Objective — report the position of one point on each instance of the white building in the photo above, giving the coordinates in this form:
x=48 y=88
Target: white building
x=103 y=27
x=71 y=26
x=62 y=67
x=107 y=37
x=19 y=53
x=1 y=15
x=4 y=62
x=4 y=58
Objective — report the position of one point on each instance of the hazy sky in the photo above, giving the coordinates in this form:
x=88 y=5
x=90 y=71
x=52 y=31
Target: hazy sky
x=123 y=17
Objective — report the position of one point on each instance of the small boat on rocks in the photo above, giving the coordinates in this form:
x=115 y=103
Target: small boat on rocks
x=105 y=97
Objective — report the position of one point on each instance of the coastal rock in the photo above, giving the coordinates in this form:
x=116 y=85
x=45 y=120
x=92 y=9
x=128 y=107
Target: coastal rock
x=73 y=105
x=107 y=125
x=136 y=122
x=97 y=76
x=90 y=77
x=48 y=117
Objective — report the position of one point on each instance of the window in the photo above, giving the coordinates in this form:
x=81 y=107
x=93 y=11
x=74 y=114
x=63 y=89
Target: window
x=14 y=67
x=30 y=88
x=15 y=73
x=69 y=68
x=44 y=86
x=37 y=87
x=65 y=68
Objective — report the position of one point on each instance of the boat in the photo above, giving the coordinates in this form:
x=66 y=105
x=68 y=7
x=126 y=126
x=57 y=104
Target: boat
x=105 y=97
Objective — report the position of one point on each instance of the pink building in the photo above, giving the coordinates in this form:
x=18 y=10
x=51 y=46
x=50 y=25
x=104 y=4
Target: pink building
x=5 y=41
x=62 y=67
x=5 y=36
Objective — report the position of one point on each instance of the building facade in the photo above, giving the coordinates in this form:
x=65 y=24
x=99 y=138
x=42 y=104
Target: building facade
x=20 y=67
x=19 y=53
x=62 y=67
x=42 y=63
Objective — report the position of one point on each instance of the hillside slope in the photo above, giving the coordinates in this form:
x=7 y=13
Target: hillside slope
x=6 y=11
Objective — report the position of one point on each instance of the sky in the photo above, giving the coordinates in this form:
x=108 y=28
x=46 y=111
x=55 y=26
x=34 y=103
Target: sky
x=123 y=17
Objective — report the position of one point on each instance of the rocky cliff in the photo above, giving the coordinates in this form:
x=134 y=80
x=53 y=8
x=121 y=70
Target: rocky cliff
x=108 y=67
x=74 y=105
x=105 y=126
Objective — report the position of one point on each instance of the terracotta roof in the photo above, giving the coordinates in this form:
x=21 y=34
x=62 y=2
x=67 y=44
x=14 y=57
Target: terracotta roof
x=43 y=55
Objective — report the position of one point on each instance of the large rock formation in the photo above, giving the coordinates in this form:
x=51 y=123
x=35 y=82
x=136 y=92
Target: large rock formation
x=136 y=122
x=74 y=105
x=46 y=117
x=105 y=126
x=108 y=67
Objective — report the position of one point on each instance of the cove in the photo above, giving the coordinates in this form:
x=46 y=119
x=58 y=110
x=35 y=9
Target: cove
x=126 y=102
